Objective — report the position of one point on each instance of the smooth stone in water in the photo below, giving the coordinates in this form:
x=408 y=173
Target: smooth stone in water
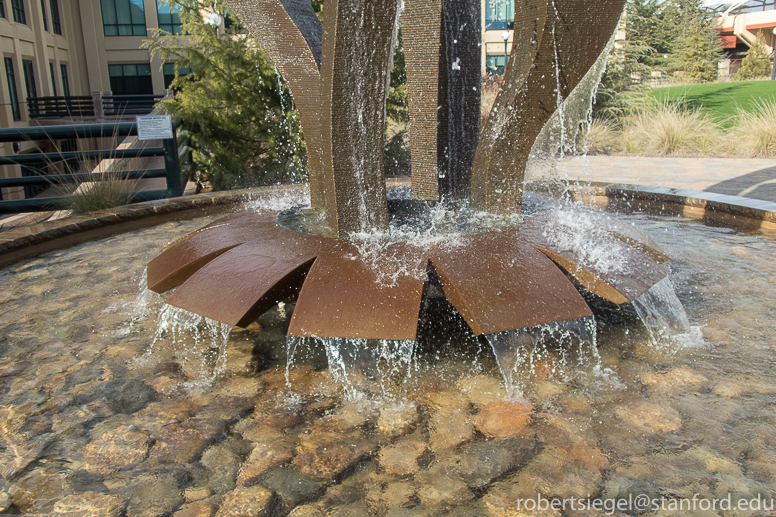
x=291 y=486
x=89 y=504
x=398 y=419
x=482 y=389
x=504 y=419
x=254 y=500
x=121 y=448
x=401 y=459
x=263 y=457
x=125 y=395
x=154 y=495
x=552 y=474
x=650 y=417
x=673 y=380
x=449 y=427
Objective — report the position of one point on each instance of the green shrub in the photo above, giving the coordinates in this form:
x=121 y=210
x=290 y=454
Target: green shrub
x=757 y=62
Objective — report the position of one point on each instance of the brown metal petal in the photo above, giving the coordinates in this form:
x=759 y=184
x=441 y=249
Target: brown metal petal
x=498 y=282
x=343 y=296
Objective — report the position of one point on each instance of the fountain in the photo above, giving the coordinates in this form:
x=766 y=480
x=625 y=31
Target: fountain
x=107 y=411
x=510 y=278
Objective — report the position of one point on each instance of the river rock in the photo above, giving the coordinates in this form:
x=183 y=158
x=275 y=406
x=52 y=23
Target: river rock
x=291 y=486
x=442 y=490
x=326 y=454
x=449 y=427
x=482 y=389
x=401 y=459
x=398 y=494
x=177 y=444
x=673 y=380
x=586 y=454
x=480 y=463
x=397 y=419
x=552 y=474
x=203 y=508
x=89 y=504
x=223 y=465
x=504 y=419
x=5 y=501
x=121 y=448
x=307 y=510
x=650 y=417
x=154 y=495
x=247 y=502
x=124 y=395
x=263 y=457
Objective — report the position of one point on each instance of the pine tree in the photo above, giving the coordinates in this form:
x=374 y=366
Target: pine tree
x=698 y=53
x=757 y=62
x=243 y=128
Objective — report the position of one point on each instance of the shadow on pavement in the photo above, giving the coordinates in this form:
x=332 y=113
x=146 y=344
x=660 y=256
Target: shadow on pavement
x=756 y=185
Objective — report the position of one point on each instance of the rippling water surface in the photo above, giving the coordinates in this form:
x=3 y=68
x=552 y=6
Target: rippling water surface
x=112 y=404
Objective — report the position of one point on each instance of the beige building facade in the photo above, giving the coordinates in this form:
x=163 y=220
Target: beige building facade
x=75 y=48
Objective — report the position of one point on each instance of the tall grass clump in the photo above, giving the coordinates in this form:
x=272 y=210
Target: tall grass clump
x=601 y=136
x=754 y=132
x=662 y=128
x=100 y=191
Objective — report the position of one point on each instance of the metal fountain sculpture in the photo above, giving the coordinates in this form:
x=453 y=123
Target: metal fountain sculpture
x=509 y=278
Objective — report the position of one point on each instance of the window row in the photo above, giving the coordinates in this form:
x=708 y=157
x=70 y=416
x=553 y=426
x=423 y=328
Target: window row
x=499 y=15
x=127 y=17
x=20 y=14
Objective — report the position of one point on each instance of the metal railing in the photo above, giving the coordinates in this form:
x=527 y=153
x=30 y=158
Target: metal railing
x=118 y=105
x=60 y=106
x=175 y=151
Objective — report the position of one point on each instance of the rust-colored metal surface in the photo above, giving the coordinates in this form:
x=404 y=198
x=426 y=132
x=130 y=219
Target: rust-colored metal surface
x=239 y=267
x=291 y=35
x=499 y=282
x=346 y=296
x=556 y=42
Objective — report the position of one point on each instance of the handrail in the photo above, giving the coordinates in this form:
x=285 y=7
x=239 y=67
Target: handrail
x=174 y=150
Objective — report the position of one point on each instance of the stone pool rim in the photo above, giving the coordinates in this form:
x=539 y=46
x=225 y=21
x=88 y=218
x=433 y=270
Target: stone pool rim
x=30 y=241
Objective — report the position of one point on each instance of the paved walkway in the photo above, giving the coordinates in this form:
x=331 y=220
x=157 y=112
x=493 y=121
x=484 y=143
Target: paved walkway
x=752 y=178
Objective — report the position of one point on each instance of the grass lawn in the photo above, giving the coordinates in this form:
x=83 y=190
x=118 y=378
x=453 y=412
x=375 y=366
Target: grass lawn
x=719 y=99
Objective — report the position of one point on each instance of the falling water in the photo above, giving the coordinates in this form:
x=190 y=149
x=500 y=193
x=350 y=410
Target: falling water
x=546 y=350
x=662 y=312
x=362 y=368
x=196 y=342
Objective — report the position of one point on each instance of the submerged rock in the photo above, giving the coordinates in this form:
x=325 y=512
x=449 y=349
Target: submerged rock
x=673 y=380
x=398 y=419
x=255 y=500
x=449 y=427
x=552 y=474
x=650 y=417
x=504 y=419
x=121 y=448
x=401 y=459
x=264 y=457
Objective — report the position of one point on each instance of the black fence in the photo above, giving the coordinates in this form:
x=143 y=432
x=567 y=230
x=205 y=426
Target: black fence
x=36 y=165
x=118 y=105
x=80 y=106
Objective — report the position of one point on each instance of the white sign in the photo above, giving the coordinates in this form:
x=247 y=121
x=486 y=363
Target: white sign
x=154 y=127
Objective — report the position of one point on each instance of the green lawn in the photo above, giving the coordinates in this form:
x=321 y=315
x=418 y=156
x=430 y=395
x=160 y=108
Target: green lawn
x=719 y=99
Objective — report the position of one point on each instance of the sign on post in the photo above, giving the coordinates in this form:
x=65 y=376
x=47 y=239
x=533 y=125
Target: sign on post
x=154 y=127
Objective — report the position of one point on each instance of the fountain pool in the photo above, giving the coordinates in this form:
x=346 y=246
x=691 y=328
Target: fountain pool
x=113 y=404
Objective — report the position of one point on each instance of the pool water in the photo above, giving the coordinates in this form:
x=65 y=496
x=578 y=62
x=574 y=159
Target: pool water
x=113 y=404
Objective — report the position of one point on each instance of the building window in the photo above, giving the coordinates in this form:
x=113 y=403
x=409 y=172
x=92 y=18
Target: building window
x=13 y=95
x=55 y=21
x=169 y=19
x=29 y=78
x=53 y=79
x=123 y=18
x=130 y=79
x=65 y=81
x=43 y=14
x=169 y=73
x=17 y=6
x=494 y=64
x=499 y=15
x=2 y=8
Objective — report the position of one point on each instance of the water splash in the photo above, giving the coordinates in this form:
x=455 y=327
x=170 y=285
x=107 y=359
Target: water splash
x=662 y=313
x=549 y=350
x=278 y=201
x=582 y=233
x=197 y=343
x=364 y=368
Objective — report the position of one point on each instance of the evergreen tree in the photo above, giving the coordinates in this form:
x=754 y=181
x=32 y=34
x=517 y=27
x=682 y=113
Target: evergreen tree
x=757 y=62
x=697 y=54
x=243 y=127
